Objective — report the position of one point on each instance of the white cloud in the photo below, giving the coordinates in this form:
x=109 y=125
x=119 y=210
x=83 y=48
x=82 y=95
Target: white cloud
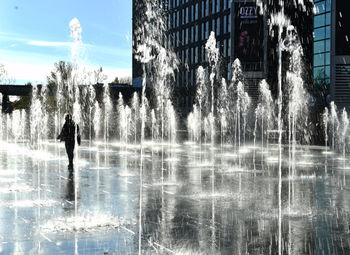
x=49 y=44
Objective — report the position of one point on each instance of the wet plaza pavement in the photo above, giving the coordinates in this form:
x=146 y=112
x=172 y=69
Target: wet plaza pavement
x=195 y=200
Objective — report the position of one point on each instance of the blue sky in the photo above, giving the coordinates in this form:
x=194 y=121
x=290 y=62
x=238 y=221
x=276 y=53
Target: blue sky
x=34 y=34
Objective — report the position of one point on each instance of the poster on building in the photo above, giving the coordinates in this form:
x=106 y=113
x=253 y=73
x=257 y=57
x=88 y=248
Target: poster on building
x=249 y=33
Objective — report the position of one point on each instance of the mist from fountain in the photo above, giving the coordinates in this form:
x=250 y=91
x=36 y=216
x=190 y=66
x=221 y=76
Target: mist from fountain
x=223 y=114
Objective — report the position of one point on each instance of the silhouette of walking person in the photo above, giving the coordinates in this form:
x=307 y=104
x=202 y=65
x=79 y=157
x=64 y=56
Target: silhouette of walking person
x=68 y=132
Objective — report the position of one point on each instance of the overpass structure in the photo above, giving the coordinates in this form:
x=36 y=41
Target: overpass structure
x=25 y=90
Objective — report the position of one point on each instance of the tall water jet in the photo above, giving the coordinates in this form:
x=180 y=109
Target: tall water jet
x=213 y=57
x=75 y=34
x=159 y=63
x=238 y=101
x=36 y=110
x=1 y=123
x=223 y=110
x=171 y=122
x=45 y=112
x=265 y=110
x=298 y=97
x=334 y=124
x=108 y=111
x=243 y=104
x=344 y=130
x=194 y=125
x=121 y=117
x=91 y=105
x=97 y=120
x=16 y=122
x=279 y=19
x=135 y=107
x=325 y=120
x=201 y=97
x=154 y=128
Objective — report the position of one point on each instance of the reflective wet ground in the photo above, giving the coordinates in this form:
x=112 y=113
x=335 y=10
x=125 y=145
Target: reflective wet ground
x=195 y=200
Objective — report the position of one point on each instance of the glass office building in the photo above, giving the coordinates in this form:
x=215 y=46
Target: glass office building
x=189 y=23
x=331 y=62
x=322 y=41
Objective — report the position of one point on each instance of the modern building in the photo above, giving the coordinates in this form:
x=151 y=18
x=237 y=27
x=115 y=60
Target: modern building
x=241 y=31
x=332 y=48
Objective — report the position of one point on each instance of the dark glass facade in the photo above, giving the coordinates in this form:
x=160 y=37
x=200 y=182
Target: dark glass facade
x=331 y=53
x=322 y=41
x=189 y=26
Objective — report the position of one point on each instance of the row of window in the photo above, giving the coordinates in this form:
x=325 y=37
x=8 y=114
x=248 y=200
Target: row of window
x=205 y=4
x=322 y=42
x=175 y=19
x=198 y=54
x=322 y=72
x=322 y=6
x=200 y=32
x=188 y=77
x=322 y=59
x=186 y=101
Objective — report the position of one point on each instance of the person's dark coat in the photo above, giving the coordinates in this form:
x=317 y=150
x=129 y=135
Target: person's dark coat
x=68 y=136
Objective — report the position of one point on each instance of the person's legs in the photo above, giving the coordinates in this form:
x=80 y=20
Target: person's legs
x=70 y=153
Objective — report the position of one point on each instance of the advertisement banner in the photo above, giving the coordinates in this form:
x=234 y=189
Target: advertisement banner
x=249 y=33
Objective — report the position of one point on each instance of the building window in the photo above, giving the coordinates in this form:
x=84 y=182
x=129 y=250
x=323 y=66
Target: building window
x=229 y=71
x=225 y=49
x=207 y=8
x=207 y=30
x=229 y=22
x=203 y=32
x=187 y=35
x=218 y=26
x=229 y=47
x=319 y=47
x=225 y=24
x=322 y=33
x=319 y=33
x=203 y=9
x=319 y=59
x=319 y=21
x=186 y=14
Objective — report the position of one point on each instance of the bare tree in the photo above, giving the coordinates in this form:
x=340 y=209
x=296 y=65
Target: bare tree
x=100 y=77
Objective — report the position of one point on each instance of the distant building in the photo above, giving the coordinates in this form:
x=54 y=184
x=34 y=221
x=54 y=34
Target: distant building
x=332 y=48
x=241 y=32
